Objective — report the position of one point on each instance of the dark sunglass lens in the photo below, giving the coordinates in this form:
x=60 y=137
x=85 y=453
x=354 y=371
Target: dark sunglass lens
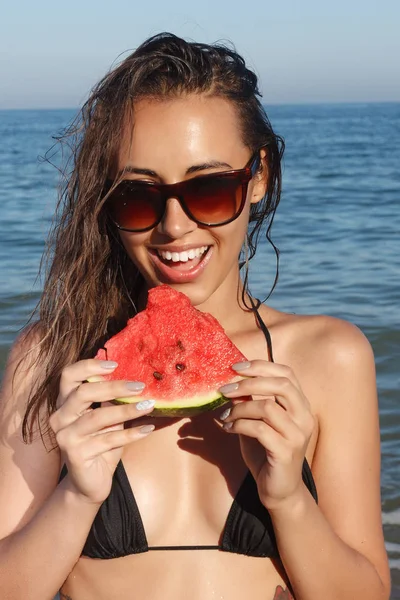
x=135 y=207
x=214 y=200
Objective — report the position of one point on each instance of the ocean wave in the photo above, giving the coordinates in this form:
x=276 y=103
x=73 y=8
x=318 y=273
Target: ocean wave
x=392 y=518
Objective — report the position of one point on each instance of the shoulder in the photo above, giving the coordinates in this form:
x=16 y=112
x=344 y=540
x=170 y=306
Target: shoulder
x=21 y=371
x=25 y=342
x=30 y=470
x=341 y=360
x=22 y=377
x=327 y=354
x=24 y=349
x=319 y=337
x=328 y=338
x=336 y=348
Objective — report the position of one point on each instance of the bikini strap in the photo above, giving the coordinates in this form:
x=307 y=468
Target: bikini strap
x=263 y=327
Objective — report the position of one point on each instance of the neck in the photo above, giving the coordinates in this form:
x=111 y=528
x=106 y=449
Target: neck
x=227 y=306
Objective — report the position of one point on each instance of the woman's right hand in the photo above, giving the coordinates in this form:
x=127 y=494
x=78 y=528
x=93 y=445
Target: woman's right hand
x=92 y=440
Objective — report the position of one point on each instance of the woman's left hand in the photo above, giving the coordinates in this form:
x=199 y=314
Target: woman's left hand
x=274 y=428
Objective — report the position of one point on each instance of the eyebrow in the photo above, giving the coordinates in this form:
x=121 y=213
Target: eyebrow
x=213 y=164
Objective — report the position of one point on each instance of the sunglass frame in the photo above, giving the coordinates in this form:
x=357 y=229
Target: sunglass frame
x=174 y=190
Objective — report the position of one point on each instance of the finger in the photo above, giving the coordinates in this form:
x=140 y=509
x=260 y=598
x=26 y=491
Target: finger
x=282 y=389
x=84 y=429
x=105 y=442
x=272 y=414
x=270 y=439
x=82 y=398
x=96 y=421
x=264 y=368
x=73 y=375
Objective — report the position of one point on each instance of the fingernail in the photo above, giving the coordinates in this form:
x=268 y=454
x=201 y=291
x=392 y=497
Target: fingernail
x=146 y=429
x=225 y=414
x=230 y=387
x=135 y=386
x=227 y=426
x=108 y=364
x=145 y=404
x=240 y=366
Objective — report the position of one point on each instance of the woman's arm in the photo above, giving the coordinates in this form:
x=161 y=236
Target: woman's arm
x=42 y=529
x=43 y=526
x=37 y=559
x=334 y=550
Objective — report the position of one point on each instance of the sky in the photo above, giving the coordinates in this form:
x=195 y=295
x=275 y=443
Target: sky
x=52 y=53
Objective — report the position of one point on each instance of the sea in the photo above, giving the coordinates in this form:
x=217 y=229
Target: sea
x=337 y=228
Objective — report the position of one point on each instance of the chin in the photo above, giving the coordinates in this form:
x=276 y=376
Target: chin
x=197 y=292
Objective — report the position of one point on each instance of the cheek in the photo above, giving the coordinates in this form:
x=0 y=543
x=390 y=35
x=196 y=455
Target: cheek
x=133 y=244
x=235 y=233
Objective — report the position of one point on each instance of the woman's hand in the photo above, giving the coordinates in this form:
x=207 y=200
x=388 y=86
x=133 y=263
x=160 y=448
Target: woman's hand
x=91 y=440
x=274 y=428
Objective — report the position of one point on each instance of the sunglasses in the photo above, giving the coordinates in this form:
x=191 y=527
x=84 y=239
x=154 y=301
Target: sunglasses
x=211 y=200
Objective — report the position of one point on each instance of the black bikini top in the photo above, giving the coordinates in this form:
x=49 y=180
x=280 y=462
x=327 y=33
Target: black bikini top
x=118 y=528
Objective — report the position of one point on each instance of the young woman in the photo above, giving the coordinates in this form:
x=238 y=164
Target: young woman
x=275 y=498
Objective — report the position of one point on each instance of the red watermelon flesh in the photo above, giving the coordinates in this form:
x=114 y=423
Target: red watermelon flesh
x=181 y=354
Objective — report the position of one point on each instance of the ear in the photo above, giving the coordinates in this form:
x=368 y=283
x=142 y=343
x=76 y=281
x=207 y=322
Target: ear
x=260 y=179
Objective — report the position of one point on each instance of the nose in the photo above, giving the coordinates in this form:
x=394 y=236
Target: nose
x=175 y=222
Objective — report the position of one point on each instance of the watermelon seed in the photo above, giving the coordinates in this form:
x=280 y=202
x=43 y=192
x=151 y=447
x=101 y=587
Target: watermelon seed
x=180 y=367
x=157 y=375
x=180 y=345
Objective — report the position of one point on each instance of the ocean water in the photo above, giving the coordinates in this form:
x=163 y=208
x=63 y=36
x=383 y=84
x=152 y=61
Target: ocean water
x=338 y=230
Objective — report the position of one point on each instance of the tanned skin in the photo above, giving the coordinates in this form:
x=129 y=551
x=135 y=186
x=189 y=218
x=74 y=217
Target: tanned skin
x=280 y=594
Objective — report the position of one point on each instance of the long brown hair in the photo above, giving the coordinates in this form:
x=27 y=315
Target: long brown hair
x=91 y=286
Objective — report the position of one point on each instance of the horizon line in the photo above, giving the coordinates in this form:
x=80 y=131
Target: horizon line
x=298 y=103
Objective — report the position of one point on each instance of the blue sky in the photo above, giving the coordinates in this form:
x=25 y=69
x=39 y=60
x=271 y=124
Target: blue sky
x=303 y=50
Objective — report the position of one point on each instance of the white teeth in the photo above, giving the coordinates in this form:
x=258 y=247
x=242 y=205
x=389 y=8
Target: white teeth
x=183 y=256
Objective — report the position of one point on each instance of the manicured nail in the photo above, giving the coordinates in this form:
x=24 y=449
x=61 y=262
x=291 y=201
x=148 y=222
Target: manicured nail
x=230 y=387
x=135 y=386
x=225 y=414
x=146 y=429
x=108 y=364
x=240 y=366
x=145 y=404
x=227 y=426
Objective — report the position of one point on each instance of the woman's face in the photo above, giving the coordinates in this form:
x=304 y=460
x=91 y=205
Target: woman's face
x=180 y=139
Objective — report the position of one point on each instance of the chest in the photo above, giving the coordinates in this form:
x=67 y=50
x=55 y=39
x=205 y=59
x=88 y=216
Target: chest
x=186 y=474
x=184 y=478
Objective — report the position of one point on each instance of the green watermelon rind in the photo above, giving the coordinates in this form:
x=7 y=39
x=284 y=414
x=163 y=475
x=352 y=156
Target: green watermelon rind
x=181 y=408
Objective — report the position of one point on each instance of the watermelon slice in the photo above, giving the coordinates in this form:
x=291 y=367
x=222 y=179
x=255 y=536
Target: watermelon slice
x=182 y=355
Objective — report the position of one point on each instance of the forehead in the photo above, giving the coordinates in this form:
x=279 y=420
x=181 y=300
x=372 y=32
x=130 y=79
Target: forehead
x=183 y=129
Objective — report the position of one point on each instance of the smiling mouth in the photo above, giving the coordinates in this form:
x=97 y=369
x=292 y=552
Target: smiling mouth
x=193 y=255
x=184 y=265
